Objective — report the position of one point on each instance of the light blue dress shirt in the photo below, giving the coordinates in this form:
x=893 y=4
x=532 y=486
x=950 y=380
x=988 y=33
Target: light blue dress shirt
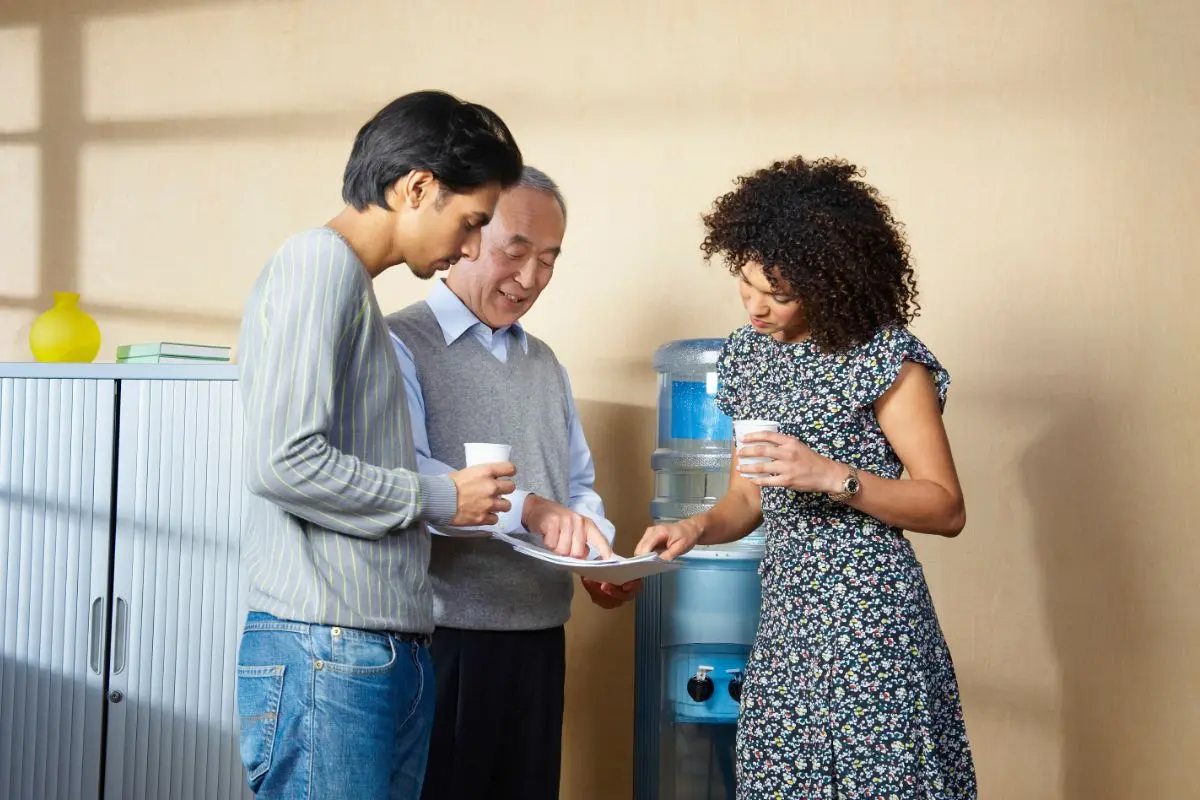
x=456 y=320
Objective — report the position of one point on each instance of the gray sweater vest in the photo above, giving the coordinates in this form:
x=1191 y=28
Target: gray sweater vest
x=470 y=396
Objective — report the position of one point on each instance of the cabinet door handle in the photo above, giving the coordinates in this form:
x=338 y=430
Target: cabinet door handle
x=120 y=636
x=96 y=635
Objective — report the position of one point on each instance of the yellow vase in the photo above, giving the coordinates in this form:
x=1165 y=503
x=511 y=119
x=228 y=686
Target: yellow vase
x=65 y=333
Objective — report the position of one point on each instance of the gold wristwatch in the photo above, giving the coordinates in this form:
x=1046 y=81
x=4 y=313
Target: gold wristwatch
x=850 y=487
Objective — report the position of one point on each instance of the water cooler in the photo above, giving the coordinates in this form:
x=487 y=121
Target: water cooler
x=694 y=625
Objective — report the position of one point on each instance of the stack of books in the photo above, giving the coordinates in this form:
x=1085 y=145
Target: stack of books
x=172 y=353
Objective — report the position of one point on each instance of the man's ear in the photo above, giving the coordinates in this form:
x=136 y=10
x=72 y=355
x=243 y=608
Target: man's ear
x=413 y=189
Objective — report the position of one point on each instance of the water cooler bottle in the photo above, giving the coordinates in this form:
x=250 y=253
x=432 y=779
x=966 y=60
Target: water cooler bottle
x=694 y=625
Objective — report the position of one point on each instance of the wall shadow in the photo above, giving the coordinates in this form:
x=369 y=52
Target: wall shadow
x=1085 y=534
x=16 y=11
x=598 y=724
x=63 y=132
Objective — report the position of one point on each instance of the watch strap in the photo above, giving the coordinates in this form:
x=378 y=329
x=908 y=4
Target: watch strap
x=845 y=494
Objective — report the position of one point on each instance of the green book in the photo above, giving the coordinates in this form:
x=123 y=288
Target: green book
x=173 y=349
x=161 y=359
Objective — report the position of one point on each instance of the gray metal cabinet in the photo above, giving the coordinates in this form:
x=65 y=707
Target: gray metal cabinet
x=56 y=457
x=120 y=519
x=178 y=602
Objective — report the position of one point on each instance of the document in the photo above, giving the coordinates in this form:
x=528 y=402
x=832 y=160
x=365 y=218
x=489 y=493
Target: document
x=617 y=569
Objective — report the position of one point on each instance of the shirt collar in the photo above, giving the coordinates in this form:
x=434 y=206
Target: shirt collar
x=455 y=318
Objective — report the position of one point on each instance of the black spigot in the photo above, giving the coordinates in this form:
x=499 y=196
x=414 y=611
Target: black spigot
x=700 y=686
x=735 y=684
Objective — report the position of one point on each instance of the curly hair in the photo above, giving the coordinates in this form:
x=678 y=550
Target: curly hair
x=823 y=236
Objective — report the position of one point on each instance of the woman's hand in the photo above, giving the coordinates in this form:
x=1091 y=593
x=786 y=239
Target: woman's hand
x=796 y=466
x=671 y=540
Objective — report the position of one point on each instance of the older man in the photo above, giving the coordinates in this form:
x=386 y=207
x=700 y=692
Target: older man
x=473 y=374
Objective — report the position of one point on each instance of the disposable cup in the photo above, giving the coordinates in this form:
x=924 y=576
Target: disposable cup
x=486 y=453
x=741 y=427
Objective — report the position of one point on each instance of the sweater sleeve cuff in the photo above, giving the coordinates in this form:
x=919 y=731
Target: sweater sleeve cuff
x=439 y=499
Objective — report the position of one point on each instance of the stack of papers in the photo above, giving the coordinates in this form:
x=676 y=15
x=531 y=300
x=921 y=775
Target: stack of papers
x=616 y=569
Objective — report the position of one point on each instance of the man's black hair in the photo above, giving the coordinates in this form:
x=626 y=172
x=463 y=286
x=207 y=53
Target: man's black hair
x=464 y=145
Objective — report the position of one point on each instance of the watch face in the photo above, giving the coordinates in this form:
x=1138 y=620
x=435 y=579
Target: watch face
x=852 y=485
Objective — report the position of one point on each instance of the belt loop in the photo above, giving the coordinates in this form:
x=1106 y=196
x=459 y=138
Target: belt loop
x=424 y=639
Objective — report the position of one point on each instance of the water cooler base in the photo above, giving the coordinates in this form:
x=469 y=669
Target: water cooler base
x=703 y=761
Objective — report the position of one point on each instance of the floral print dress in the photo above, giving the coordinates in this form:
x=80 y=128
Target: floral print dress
x=850 y=691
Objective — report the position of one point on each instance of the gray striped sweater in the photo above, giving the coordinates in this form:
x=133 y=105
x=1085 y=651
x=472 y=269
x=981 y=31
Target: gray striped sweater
x=335 y=529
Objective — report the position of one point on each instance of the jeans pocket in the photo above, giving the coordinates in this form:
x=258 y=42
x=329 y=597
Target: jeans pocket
x=355 y=652
x=422 y=668
x=258 y=693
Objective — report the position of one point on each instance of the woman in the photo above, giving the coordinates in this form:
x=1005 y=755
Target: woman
x=850 y=691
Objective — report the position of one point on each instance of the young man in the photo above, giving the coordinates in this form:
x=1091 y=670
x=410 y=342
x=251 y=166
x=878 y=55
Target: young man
x=334 y=677
x=472 y=373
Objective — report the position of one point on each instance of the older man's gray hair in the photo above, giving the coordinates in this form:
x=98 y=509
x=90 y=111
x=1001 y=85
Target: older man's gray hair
x=534 y=178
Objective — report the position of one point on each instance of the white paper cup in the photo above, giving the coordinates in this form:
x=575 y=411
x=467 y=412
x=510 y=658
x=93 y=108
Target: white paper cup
x=486 y=453
x=743 y=426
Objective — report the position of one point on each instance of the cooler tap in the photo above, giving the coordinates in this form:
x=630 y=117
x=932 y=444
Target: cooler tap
x=735 y=684
x=700 y=686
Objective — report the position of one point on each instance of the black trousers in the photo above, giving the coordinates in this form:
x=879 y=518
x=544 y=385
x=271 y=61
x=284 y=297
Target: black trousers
x=497 y=730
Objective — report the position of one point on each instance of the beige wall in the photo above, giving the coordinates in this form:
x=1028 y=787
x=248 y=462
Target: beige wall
x=1043 y=155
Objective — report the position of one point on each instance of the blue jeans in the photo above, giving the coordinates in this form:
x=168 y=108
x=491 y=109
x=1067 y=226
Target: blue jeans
x=330 y=713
